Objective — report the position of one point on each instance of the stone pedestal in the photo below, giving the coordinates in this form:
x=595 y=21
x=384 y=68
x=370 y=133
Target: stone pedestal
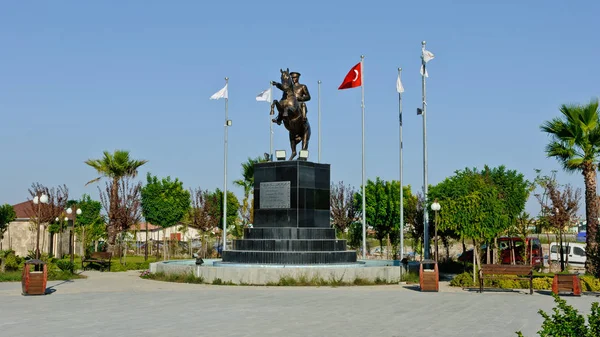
x=291 y=218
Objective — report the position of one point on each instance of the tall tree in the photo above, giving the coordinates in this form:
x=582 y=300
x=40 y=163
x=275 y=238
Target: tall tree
x=343 y=212
x=7 y=215
x=383 y=207
x=128 y=210
x=561 y=208
x=164 y=203
x=114 y=166
x=575 y=143
x=200 y=214
x=480 y=205
x=233 y=205
x=91 y=225
x=47 y=213
x=247 y=184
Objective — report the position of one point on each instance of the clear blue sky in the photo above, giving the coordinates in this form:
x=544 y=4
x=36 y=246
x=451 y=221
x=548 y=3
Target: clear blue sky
x=77 y=78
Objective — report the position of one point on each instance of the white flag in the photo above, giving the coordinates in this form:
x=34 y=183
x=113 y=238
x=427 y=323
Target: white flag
x=427 y=56
x=426 y=74
x=220 y=94
x=399 y=86
x=265 y=96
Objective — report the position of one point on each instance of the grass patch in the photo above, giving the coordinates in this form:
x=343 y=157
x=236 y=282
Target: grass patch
x=177 y=278
x=302 y=280
x=10 y=276
x=53 y=275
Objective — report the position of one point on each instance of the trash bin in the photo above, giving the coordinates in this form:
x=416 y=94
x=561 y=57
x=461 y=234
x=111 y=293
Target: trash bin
x=35 y=275
x=429 y=276
x=566 y=283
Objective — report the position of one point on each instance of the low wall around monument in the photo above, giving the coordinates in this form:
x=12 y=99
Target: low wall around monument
x=272 y=275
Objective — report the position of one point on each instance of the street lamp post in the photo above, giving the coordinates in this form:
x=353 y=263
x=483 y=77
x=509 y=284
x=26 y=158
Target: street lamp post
x=436 y=208
x=71 y=237
x=39 y=200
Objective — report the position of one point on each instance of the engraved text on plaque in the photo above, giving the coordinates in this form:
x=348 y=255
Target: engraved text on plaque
x=275 y=194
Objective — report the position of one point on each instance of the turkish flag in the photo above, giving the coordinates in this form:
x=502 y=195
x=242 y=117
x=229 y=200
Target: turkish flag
x=353 y=78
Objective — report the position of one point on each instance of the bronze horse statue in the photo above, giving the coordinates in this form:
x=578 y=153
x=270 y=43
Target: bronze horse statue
x=289 y=109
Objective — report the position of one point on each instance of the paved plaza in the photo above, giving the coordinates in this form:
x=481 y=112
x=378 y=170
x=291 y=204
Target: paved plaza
x=122 y=304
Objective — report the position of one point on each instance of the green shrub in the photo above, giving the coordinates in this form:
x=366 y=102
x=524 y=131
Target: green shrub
x=462 y=280
x=542 y=283
x=589 y=283
x=568 y=322
x=66 y=266
x=11 y=262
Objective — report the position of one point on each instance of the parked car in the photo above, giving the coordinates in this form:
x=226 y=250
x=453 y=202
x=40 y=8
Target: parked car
x=573 y=252
x=512 y=247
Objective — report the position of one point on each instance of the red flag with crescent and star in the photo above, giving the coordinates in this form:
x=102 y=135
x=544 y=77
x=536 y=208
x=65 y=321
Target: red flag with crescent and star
x=353 y=78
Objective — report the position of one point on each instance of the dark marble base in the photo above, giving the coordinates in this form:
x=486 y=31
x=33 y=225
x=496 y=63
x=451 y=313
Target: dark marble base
x=277 y=245
x=300 y=258
x=294 y=231
x=289 y=245
x=289 y=233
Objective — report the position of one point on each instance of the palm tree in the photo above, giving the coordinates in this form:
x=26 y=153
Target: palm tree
x=575 y=143
x=115 y=167
x=247 y=183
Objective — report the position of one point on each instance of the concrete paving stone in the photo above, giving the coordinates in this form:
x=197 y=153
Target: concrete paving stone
x=122 y=304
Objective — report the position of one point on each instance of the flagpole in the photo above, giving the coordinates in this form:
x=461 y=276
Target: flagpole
x=271 y=126
x=319 y=107
x=401 y=178
x=362 y=104
x=225 y=170
x=425 y=187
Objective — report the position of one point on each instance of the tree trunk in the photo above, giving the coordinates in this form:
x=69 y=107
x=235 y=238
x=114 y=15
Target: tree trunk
x=591 y=216
x=164 y=244
x=112 y=216
x=475 y=258
x=495 y=258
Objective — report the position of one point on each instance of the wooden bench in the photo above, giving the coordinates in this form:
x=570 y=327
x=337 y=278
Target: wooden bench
x=101 y=258
x=496 y=271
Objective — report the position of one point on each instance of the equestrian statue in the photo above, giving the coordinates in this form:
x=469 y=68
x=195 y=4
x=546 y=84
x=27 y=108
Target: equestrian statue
x=292 y=109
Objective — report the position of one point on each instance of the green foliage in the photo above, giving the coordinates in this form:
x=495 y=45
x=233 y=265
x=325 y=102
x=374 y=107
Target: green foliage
x=66 y=265
x=480 y=205
x=542 y=283
x=9 y=261
x=575 y=143
x=115 y=165
x=382 y=206
x=589 y=283
x=164 y=202
x=7 y=215
x=355 y=235
x=247 y=184
x=233 y=206
x=566 y=321
x=462 y=280
x=178 y=278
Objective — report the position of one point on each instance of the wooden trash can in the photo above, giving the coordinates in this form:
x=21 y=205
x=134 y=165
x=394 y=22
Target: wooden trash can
x=429 y=276
x=566 y=283
x=35 y=275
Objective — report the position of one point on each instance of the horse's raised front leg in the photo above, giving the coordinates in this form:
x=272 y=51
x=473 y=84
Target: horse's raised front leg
x=279 y=109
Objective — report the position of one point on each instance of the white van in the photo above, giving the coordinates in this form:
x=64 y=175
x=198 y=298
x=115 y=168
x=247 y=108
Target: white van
x=573 y=252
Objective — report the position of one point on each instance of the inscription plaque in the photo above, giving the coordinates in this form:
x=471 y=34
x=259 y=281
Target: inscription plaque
x=275 y=194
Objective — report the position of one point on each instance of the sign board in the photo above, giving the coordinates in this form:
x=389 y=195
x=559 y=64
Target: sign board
x=275 y=194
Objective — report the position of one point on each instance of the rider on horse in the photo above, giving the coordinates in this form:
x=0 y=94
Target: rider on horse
x=301 y=93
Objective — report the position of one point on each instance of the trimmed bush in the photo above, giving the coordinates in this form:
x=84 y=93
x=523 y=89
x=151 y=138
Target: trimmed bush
x=462 y=280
